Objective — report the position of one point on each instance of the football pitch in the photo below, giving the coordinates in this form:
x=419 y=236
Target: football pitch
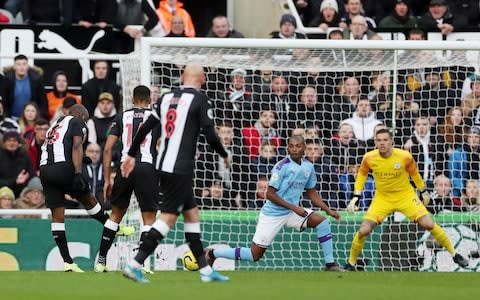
x=243 y=285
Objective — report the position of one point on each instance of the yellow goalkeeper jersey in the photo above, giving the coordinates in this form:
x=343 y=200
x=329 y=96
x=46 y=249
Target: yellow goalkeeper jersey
x=391 y=174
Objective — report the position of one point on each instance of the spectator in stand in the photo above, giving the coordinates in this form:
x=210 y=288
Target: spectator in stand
x=472 y=101
x=7 y=200
x=344 y=149
x=130 y=15
x=31 y=197
x=464 y=162
x=358 y=30
x=169 y=8
x=346 y=189
x=310 y=111
x=380 y=90
x=95 y=12
x=470 y=199
x=262 y=82
x=57 y=96
x=441 y=198
x=354 y=8
x=466 y=9
x=24 y=84
x=454 y=130
x=345 y=102
x=435 y=97
x=406 y=113
x=177 y=27
x=288 y=25
x=99 y=124
x=282 y=102
x=399 y=17
x=428 y=149
x=236 y=104
x=416 y=34
x=305 y=9
x=7 y=124
x=30 y=115
x=328 y=16
x=221 y=28
x=34 y=140
x=326 y=170
x=363 y=121
x=63 y=110
x=211 y=166
x=264 y=162
x=97 y=85
x=256 y=198
x=262 y=131
x=16 y=165
x=439 y=17
x=216 y=196
x=47 y=11
x=93 y=171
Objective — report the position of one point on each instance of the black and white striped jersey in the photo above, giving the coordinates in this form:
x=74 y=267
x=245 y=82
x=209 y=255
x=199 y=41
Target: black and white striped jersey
x=58 y=143
x=182 y=114
x=125 y=126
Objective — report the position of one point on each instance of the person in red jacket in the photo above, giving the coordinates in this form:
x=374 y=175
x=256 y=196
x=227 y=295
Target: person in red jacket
x=262 y=130
x=34 y=140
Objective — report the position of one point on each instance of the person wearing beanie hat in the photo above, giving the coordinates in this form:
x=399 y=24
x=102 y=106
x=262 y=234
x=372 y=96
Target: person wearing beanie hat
x=32 y=196
x=328 y=16
x=7 y=198
x=399 y=17
x=288 y=25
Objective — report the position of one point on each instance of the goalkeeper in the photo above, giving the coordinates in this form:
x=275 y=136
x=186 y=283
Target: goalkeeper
x=392 y=169
x=289 y=179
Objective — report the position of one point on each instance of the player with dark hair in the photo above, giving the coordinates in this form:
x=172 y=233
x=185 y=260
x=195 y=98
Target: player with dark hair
x=289 y=179
x=181 y=114
x=392 y=169
x=143 y=180
x=61 y=173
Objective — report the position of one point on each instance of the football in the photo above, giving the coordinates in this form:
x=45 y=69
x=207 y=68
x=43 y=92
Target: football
x=189 y=261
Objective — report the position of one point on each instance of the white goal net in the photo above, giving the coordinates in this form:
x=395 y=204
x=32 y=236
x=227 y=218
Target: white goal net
x=335 y=93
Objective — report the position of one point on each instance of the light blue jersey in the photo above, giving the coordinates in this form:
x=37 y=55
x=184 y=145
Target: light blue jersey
x=290 y=180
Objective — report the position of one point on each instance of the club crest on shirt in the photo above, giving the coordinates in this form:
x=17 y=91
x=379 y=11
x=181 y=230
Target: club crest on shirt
x=274 y=177
x=306 y=173
x=210 y=113
x=396 y=166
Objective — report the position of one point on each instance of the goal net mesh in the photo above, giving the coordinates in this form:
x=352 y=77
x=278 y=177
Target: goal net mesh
x=335 y=98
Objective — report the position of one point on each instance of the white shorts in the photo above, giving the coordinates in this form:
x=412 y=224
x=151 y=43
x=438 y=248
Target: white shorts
x=269 y=226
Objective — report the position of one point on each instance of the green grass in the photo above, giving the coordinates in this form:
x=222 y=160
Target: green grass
x=243 y=285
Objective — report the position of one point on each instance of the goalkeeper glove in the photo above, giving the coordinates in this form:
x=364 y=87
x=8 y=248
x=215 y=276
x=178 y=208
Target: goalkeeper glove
x=352 y=206
x=425 y=196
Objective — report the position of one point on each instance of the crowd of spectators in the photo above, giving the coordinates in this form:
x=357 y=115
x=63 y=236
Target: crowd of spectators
x=437 y=115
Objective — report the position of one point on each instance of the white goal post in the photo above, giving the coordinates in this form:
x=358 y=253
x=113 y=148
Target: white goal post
x=427 y=79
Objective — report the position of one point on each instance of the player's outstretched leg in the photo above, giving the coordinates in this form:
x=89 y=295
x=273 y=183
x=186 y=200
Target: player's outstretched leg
x=324 y=236
x=110 y=229
x=237 y=253
x=357 y=244
x=192 y=236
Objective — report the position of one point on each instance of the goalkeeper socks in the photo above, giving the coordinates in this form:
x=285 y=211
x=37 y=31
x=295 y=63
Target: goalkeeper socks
x=98 y=213
x=238 y=253
x=58 y=233
x=442 y=238
x=109 y=230
x=357 y=246
x=324 y=235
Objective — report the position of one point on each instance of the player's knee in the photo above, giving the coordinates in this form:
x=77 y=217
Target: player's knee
x=426 y=224
x=364 y=230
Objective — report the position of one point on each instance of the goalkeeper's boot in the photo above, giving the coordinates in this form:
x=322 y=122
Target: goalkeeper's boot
x=214 y=276
x=100 y=268
x=124 y=230
x=474 y=254
x=146 y=270
x=209 y=256
x=333 y=267
x=353 y=268
x=134 y=274
x=73 y=267
x=460 y=260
